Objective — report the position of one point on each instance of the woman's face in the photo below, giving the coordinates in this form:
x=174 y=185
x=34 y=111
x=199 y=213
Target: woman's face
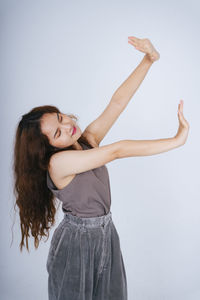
x=59 y=127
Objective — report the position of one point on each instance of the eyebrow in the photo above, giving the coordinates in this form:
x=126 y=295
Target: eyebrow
x=57 y=128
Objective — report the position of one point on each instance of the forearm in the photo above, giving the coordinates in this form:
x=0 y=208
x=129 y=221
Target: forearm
x=128 y=148
x=128 y=88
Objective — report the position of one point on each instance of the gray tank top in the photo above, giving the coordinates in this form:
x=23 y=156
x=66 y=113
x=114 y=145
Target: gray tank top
x=87 y=195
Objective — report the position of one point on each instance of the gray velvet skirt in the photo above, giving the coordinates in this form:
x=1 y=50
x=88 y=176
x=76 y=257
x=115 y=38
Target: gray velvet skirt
x=85 y=260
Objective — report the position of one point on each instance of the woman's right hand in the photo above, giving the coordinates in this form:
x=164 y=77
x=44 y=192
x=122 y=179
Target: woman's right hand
x=183 y=129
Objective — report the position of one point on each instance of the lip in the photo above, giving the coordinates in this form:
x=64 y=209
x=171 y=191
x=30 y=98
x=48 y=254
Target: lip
x=74 y=130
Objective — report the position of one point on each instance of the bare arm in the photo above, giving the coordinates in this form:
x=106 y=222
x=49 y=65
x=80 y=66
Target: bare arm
x=128 y=148
x=100 y=126
x=121 y=97
x=128 y=88
x=69 y=162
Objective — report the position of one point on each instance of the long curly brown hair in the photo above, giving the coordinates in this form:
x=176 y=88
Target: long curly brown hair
x=32 y=151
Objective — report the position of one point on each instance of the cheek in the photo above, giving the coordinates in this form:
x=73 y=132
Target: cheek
x=65 y=138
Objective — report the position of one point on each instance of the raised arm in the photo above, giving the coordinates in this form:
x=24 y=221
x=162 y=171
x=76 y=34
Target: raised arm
x=128 y=88
x=127 y=148
x=121 y=97
x=70 y=162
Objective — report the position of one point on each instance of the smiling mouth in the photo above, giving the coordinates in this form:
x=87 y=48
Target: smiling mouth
x=74 y=130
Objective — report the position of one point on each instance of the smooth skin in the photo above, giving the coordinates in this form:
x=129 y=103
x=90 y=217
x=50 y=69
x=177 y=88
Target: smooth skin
x=64 y=165
x=145 y=46
x=58 y=127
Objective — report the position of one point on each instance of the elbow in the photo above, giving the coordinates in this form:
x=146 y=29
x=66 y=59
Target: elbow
x=117 y=149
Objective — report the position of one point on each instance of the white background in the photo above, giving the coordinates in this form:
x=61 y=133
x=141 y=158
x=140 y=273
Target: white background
x=75 y=54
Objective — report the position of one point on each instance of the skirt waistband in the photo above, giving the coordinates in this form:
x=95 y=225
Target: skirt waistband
x=88 y=222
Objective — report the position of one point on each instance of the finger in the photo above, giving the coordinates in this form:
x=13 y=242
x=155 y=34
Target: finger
x=181 y=105
x=133 y=38
x=135 y=45
x=133 y=42
x=182 y=119
x=180 y=115
x=179 y=108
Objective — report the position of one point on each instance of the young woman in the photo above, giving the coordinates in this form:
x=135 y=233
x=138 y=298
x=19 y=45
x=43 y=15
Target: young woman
x=54 y=159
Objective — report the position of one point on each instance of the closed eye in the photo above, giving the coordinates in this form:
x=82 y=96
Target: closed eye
x=60 y=118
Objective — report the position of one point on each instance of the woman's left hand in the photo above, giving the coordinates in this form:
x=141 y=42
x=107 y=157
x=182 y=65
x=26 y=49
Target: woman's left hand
x=145 y=46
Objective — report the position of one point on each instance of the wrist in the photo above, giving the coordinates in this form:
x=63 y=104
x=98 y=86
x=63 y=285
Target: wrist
x=177 y=141
x=148 y=60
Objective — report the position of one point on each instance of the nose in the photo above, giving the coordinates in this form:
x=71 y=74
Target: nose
x=67 y=126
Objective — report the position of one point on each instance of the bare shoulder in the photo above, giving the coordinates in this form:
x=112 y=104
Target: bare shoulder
x=61 y=182
x=64 y=165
